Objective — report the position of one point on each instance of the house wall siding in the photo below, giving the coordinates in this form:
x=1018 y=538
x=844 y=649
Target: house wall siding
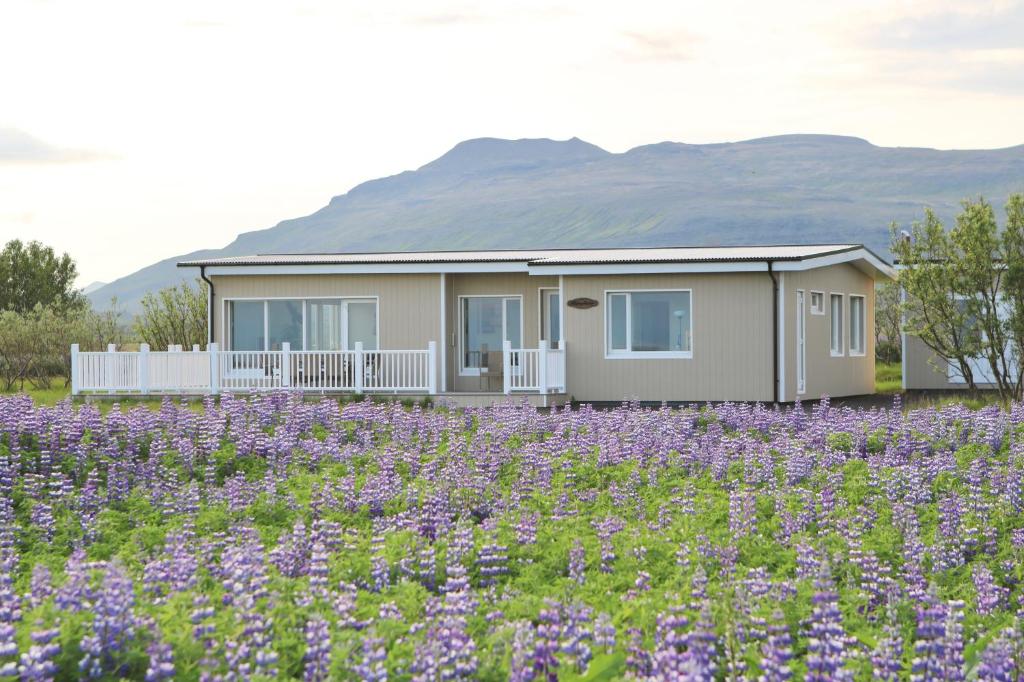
x=732 y=341
x=828 y=375
x=409 y=305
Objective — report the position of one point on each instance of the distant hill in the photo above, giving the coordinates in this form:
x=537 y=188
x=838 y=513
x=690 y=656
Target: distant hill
x=89 y=288
x=491 y=193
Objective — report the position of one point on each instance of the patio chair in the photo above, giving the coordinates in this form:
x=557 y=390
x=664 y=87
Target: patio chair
x=491 y=367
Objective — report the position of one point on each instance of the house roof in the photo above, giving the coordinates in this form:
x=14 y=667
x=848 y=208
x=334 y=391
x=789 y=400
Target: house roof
x=565 y=261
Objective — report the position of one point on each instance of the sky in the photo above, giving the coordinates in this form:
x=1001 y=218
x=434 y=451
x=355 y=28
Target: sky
x=135 y=131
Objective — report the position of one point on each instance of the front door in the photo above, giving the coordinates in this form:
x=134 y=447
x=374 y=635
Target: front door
x=486 y=322
x=801 y=343
x=550 y=317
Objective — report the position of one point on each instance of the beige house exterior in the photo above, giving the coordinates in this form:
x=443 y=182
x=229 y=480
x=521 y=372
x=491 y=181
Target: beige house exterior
x=760 y=323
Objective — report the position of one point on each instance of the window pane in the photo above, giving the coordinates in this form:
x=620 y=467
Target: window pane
x=284 y=323
x=836 y=323
x=617 y=321
x=362 y=324
x=513 y=322
x=660 y=321
x=323 y=325
x=481 y=328
x=554 y=318
x=856 y=324
x=246 y=325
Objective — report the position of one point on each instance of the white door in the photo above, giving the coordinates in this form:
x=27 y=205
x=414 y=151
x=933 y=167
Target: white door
x=551 y=327
x=801 y=343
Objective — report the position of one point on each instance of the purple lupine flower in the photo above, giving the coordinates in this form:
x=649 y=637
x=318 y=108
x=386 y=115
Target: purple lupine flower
x=371 y=663
x=37 y=663
x=317 y=659
x=991 y=596
x=577 y=563
x=887 y=657
x=827 y=642
x=998 y=660
x=776 y=651
x=604 y=632
x=161 y=662
x=113 y=624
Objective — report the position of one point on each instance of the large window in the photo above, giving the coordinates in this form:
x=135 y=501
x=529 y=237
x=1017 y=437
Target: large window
x=284 y=323
x=486 y=322
x=649 y=324
x=857 y=325
x=314 y=324
x=247 y=331
x=836 y=324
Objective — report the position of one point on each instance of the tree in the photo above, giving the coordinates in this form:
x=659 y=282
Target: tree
x=887 y=322
x=964 y=294
x=32 y=274
x=175 y=315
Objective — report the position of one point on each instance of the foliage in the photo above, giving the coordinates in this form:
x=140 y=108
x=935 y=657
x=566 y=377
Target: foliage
x=964 y=293
x=35 y=346
x=33 y=274
x=888 y=342
x=269 y=536
x=173 y=316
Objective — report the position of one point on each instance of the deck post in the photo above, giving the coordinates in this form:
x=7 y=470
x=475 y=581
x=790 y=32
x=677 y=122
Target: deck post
x=432 y=367
x=111 y=361
x=211 y=348
x=359 y=372
x=542 y=366
x=195 y=347
x=143 y=368
x=506 y=370
x=286 y=364
x=75 y=381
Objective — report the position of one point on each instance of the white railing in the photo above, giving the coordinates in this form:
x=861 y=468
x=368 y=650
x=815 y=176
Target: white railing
x=214 y=370
x=536 y=370
x=397 y=370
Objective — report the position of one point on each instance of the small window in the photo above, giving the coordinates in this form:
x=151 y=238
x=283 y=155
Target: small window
x=817 y=303
x=649 y=324
x=836 y=324
x=856 y=325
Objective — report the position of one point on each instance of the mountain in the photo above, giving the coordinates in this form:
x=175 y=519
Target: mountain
x=491 y=193
x=89 y=288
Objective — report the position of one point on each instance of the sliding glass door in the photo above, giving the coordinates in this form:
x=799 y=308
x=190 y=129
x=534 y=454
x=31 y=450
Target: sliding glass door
x=486 y=322
x=313 y=324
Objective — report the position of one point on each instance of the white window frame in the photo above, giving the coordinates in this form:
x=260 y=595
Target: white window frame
x=863 y=325
x=475 y=371
x=842 y=316
x=819 y=310
x=543 y=306
x=225 y=329
x=629 y=354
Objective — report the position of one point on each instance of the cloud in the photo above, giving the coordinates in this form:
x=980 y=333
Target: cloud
x=1001 y=26
x=17 y=146
x=448 y=19
x=662 y=46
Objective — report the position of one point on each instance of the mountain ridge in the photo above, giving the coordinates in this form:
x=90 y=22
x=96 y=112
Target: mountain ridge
x=542 y=193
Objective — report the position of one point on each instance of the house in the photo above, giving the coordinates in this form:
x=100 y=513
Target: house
x=751 y=323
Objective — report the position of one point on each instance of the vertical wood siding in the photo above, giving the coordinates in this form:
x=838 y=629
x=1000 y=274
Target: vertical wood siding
x=408 y=306
x=732 y=328
x=827 y=375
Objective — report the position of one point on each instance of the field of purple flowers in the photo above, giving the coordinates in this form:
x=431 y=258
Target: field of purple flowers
x=266 y=537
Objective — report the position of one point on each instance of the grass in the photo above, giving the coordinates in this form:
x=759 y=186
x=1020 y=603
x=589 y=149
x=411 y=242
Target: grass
x=888 y=377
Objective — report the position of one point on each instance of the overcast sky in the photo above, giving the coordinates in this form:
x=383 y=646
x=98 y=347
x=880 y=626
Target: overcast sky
x=135 y=131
